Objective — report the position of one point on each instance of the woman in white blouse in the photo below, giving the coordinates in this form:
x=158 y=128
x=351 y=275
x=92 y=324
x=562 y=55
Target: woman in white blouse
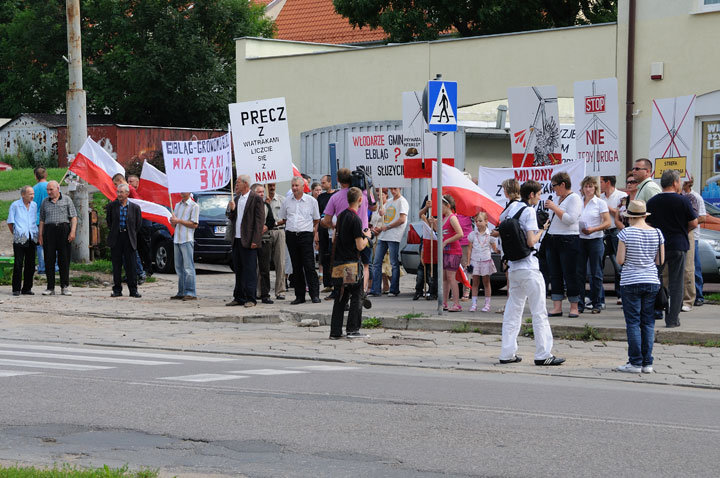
x=563 y=248
x=595 y=218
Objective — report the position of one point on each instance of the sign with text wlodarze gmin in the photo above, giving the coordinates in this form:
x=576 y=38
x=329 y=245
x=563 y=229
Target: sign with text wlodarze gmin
x=261 y=140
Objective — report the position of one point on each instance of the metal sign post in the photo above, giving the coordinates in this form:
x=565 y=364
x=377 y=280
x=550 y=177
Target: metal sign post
x=440 y=110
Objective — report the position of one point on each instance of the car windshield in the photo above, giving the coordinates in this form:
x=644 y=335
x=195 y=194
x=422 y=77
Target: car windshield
x=213 y=205
x=712 y=209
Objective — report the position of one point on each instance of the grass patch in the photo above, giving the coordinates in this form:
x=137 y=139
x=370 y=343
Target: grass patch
x=412 y=315
x=527 y=330
x=100 y=265
x=85 y=280
x=150 y=280
x=713 y=298
x=5 y=208
x=709 y=343
x=16 y=178
x=369 y=323
x=589 y=334
x=67 y=471
x=463 y=328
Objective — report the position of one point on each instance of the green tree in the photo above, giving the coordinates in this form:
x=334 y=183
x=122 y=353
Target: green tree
x=151 y=62
x=413 y=20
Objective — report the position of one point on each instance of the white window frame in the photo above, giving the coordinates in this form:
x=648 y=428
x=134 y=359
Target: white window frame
x=702 y=7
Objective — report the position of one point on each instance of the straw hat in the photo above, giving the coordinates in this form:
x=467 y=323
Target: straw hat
x=636 y=209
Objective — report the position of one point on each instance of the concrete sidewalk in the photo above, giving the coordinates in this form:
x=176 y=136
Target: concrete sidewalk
x=91 y=317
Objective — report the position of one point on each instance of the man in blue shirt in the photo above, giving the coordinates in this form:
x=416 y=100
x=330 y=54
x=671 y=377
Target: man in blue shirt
x=21 y=221
x=40 y=189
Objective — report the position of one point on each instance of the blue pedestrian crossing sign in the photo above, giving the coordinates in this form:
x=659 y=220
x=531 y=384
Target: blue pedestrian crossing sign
x=442 y=105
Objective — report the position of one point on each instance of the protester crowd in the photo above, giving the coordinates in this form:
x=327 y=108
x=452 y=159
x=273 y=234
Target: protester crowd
x=646 y=232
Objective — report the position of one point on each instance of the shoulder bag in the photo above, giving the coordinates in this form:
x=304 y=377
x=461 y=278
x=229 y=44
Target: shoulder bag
x=348 y=272
x=662 y=299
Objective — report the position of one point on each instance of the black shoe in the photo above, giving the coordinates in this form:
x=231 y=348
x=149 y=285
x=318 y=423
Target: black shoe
x=233 y=303
x=27 y=292
x=431 y=297
x=280 y=297
x=515 y=359
x=394 y=294
x=337 y=337
x=555 y=314
x=316 y=300
x=372 y=294
x=551 y=360
x=330 y=297
x=16 y=292
x=267 y=300
x=177 y=297
x=417 y=295
x=116 y=294
x=135 y=294
x=297 y=301
x=699 y=302
x=670 y=326
x=357 y=335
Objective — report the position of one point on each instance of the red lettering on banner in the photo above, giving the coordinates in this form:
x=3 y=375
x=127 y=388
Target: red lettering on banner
x=375 y=140
x=176 y=163
x=264 y=176
x=595 y=104
x=203 y=179
x=595 y=137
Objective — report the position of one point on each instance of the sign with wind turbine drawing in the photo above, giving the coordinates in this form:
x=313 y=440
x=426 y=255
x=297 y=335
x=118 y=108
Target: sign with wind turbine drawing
x=596 y=123
x=534 y=126
x=671 y=134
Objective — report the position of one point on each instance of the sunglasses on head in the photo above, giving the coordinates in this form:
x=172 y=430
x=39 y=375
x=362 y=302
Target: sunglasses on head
x=631 y=182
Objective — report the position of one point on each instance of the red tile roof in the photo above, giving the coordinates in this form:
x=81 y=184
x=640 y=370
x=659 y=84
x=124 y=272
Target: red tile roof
x=262 y=2
x=316 y=21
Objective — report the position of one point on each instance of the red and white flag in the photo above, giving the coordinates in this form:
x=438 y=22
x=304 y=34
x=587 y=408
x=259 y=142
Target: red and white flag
x=470 y=199
x=462 y=277
x=154 y=186
x=97 y=167
x=296 y=172
x=155 y=213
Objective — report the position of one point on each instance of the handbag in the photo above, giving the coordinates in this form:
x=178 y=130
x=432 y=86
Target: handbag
x=662 y=299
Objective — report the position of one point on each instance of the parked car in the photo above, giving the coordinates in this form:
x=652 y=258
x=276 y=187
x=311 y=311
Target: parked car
x=712 y=220
x=210 y=244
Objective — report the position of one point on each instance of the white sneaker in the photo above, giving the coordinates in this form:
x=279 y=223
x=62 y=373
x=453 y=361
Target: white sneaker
x=65 y=291
x=686 y=308
x=48 y=292
x=629 y=368
x=647 y=369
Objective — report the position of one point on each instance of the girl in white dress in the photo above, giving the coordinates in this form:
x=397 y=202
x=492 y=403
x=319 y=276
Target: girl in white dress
x=482 y=244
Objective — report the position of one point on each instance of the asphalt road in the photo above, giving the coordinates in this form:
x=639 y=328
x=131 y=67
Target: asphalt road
x=197 y=415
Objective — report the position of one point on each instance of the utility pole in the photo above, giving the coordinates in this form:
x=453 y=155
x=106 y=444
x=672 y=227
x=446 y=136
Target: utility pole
x=77 y=129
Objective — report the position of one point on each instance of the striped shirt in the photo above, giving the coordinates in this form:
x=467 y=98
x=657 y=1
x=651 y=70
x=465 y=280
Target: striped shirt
x=58 y=212
x=188 y=211
x=641 y=247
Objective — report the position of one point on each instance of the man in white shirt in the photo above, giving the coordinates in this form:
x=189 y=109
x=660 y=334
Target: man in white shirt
x=526 y=283
x=185 y=218
x=277 y=241
x=612 y=197
x=390 y=234
x=300 y=215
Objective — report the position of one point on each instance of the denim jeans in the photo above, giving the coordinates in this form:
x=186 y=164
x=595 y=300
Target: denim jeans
x=698 y=274
x=563 y=255
x=591 y=253
x=420 y=279
x=185 y=269
x=380 y=249
x=610 y=252
x=638 y=308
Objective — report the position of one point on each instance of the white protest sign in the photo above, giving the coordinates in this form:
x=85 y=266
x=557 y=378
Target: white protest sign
x=490 y=179
x=197 y=165
x=534 y=126
x=380 y=154
x=568 y=143
x=261 y=140
x=671 y=134
x=418 y=143
x=597 y=123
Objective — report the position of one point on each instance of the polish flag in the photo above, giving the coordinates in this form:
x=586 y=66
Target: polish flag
x=154 y=186
x=154 y=212
x=296 y=172
x=413 y=167
x=469 y=197
x=97 y=167
x=462 y=277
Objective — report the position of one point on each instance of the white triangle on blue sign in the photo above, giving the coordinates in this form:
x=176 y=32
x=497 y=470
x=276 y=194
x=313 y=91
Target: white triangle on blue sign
x=442 y=112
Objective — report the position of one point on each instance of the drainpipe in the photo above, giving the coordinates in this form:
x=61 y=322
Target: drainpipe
x=630 y=100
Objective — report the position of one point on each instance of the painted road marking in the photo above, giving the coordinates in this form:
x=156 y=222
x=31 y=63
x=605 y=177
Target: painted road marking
x=204 y=377
x=162 y=356
x=327 y=368
x=267 y=371
x=59 y=366
x=85 y=358
x=13 y=373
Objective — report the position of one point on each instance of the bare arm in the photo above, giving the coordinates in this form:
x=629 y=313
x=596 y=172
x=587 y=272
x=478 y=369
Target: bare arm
x=457 y=229
x=620 y=254
x=73 y=227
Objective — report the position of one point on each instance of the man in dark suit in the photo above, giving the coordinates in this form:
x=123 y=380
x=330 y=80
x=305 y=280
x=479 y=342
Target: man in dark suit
x=124 y=220
x=247 y=218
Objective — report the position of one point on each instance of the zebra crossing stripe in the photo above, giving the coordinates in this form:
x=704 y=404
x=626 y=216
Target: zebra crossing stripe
x=121 y=353
x=14 y=373
x=203 y=377
x=327 y=368
x=84 y=358
x=58 y=366
x=267 y=371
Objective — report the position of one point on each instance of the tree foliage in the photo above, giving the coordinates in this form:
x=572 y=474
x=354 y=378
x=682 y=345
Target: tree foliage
x=413 y=20
x=152 y=62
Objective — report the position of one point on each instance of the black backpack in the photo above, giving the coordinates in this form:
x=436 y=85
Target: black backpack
x=514 y=240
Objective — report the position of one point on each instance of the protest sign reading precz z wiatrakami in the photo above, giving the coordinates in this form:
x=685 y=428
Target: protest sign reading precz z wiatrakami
x=197 y=165
x=261 y=140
